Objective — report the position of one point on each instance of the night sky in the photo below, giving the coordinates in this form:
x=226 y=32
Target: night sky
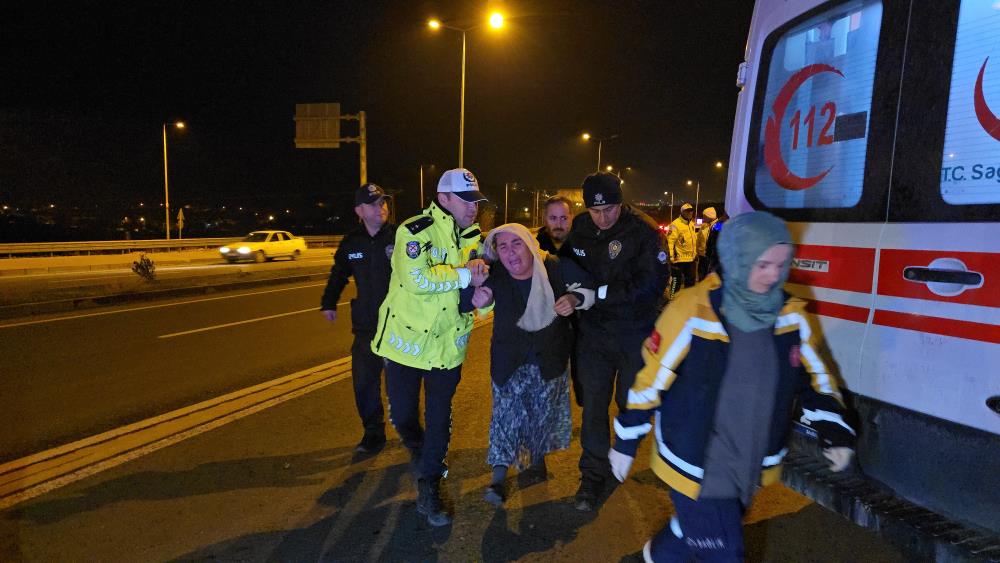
x=87 y=86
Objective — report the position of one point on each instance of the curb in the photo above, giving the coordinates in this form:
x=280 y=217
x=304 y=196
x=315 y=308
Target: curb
x=78 y=303
x=918 y=532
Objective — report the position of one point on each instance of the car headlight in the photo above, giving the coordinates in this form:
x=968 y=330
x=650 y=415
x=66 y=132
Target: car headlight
x=225 y=250
x=243 y=250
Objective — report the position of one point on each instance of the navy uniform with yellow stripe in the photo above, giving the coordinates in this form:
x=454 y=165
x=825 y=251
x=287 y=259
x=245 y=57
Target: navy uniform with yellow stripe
x=685 y=360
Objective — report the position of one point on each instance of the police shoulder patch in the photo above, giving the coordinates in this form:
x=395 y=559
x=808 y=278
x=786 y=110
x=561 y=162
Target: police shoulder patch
x=420 y=224
x=413 y=249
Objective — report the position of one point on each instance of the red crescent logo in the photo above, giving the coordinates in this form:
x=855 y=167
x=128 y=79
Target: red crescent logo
x=772 y=133
x=989 y=121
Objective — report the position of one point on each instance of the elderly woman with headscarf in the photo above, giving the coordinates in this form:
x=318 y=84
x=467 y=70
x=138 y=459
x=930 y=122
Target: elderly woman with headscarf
x=532 y=294
x=724 y=366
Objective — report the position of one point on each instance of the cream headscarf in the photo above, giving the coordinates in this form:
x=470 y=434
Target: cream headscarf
x=539 y=312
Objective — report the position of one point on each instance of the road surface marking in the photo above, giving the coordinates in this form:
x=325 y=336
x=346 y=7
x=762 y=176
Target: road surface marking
x=40 y=473
x=85 y=315
x=214 y=327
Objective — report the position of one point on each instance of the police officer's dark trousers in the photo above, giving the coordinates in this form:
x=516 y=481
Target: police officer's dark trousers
x=607 y=362
x=402 y=384
x=366 y=374
x=683 y=276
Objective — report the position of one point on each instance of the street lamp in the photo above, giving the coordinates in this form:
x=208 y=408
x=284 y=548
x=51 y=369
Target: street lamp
x=166 y=182
x=600 y=143
x=496 y=21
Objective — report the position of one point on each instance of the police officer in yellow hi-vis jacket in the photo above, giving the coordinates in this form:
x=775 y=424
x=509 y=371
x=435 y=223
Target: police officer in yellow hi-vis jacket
x=421 y=332
x=682 y=241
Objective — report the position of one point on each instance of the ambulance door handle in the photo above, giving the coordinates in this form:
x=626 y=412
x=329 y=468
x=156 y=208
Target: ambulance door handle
x=945 y=277
x=935 y=275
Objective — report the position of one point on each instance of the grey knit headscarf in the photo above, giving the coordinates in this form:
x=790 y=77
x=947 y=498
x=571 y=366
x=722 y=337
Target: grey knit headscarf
x=743 y=239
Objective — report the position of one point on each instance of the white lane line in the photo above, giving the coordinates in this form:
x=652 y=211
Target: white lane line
x=42 y=472
x=85 y=315
x=207 y=328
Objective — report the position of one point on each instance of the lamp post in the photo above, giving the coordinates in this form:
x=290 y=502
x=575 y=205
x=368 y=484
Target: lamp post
x=507 y=186
x=496 y=20
x=600 y=143
x=671 y=205
x=697 y=193
x=422 y=166
x=166 y=181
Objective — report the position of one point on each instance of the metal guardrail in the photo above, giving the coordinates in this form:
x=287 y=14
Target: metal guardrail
x=23 y=249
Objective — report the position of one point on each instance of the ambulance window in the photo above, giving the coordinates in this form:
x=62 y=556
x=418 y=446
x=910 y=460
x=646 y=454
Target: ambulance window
x=970 y=169
x=812 y=116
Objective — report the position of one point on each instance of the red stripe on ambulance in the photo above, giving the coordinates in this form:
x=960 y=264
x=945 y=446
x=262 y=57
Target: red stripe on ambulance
x=937 y=325
x=846 y=268
x=839 y=311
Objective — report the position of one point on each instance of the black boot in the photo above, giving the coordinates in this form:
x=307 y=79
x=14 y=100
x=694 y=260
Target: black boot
x=372 y=442
x=586 y=495
x=429 y=502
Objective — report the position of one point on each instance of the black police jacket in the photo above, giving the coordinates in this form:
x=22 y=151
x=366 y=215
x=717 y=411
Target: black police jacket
x=630 y=260
x=366 y=258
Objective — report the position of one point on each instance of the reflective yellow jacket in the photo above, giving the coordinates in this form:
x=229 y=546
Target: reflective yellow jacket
x=682 y=240
x=419 y=322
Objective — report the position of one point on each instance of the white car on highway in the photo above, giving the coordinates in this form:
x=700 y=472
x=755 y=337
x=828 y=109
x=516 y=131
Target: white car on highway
x=260 y=246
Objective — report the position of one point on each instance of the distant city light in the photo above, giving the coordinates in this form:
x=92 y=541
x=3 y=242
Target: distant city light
x=142 y=219
x=52 y=205
x=585 y=136
x=434 y=24
x=496 y=20
x=141 y=204
x=288 y=211
x=718 y=164
x=269 y=217
x=610 y=168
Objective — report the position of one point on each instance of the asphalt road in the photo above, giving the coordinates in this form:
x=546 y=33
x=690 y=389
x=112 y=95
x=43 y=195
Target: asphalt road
x=283 y=484
x=278 y=481
x=72 y=375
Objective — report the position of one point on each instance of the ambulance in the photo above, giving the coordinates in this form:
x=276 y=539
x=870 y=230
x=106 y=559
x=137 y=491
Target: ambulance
x=873 y=128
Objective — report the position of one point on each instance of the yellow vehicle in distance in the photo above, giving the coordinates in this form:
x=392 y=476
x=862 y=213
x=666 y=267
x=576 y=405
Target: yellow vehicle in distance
x=261 y=246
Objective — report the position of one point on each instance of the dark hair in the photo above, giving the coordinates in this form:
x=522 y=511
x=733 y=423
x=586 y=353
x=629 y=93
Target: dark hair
x=559 y=199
